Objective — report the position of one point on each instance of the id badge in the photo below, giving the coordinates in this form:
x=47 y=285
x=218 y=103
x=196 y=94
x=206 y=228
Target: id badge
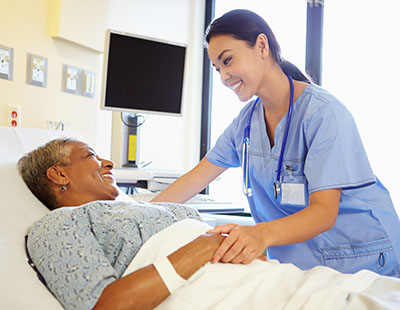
x=294 y=191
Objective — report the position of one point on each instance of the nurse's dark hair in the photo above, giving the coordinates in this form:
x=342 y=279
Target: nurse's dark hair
x=246 y=25
x=33 y=168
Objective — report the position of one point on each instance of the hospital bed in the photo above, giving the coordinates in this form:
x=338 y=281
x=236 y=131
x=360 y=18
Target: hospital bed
x=19 y=286
x=21 y=289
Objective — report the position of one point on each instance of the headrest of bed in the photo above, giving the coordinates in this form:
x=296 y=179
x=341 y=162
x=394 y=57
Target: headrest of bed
x=19 y=286
x=19 y=209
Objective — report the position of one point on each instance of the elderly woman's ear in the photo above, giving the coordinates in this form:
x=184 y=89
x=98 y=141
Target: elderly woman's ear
x=57 y=175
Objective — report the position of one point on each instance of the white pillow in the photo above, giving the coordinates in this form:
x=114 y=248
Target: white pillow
x=19 y=286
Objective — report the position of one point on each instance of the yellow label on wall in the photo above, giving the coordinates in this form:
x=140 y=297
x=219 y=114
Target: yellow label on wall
x=132 y=148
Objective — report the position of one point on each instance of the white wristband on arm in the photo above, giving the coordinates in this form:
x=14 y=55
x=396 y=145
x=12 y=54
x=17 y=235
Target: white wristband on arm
x=171 y=278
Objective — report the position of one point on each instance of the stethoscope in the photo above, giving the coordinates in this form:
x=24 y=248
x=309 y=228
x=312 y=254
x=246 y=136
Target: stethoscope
x=247 y=190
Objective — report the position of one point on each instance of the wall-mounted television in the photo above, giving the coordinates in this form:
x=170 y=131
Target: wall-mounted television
x=142 y=74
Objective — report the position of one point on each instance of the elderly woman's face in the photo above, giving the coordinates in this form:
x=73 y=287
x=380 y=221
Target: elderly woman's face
x=89 y=175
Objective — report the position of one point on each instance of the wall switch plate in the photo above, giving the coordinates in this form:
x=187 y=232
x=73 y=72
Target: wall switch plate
x=88 y=82
x=6 y=62
x=13 y=115
x=37 y=70
x=71 y=79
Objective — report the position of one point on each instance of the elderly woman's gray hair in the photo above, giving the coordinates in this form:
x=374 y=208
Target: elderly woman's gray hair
x=34 y=165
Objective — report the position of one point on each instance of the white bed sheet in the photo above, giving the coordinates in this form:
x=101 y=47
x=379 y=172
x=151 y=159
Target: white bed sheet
x=265 y=285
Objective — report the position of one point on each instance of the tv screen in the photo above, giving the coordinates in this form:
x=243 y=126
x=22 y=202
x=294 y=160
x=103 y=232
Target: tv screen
x=142 y=74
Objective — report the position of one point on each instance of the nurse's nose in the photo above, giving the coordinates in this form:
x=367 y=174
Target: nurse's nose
x=225 y=77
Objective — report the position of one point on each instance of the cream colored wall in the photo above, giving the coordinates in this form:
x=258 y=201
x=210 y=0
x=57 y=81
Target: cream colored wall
x=82 y=22
x=169 y=142
x=25 y=28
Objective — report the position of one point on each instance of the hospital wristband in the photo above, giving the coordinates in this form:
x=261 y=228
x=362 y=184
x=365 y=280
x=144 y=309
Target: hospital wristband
x=170 y=277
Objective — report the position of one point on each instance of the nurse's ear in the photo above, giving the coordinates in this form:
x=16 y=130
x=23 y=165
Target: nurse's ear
x=262 y=45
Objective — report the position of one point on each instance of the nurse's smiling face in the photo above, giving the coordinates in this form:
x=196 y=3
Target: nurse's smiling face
x=241 y=67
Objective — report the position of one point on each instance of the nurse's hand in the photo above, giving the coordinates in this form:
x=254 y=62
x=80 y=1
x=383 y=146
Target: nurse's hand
x=242 y=245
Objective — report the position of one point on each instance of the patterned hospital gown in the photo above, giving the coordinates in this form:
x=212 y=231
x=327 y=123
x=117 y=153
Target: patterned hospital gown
x=80 y=250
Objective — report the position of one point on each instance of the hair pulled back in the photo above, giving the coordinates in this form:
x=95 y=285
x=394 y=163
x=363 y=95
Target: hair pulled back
x=246 y=25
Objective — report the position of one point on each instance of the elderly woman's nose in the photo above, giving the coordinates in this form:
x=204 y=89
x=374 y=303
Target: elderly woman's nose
x=108 y=163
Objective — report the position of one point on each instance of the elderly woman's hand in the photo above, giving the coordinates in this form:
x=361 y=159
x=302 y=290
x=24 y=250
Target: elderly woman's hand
x=242 y=245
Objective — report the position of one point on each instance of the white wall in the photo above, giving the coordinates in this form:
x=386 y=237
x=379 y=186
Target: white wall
x=169 y=142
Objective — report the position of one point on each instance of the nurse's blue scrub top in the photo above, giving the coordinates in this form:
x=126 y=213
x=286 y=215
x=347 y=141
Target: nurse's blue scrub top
x=325 y=148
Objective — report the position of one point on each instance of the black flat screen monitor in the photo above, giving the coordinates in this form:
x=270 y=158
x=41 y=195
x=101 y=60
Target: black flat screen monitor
x=142 y=74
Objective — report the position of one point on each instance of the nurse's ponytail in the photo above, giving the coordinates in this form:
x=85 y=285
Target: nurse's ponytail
x=246 y=25
x=289 y=68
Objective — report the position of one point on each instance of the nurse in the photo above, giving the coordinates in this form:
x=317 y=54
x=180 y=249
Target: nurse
x=310 y=187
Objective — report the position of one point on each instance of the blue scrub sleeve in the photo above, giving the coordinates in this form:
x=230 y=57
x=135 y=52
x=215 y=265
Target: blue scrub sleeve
x=336 y=157
x=224 y=152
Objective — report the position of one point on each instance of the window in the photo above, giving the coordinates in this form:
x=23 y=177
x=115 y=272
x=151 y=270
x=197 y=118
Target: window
x=361 y=67
x=288 y=22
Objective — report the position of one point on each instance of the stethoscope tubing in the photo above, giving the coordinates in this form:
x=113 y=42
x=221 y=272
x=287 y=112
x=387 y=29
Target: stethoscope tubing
x=246 y=146
x=289 y=118
x=245 y=154
x=245 y=161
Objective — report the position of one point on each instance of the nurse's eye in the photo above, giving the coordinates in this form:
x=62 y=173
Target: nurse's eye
x=227 y=61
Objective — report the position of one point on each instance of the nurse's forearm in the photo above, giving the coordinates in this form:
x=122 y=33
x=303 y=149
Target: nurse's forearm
x=318 y=217
x=181 y=190
x=190 y=183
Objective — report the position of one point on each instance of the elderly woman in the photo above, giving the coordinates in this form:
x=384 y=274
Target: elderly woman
x=85 y=244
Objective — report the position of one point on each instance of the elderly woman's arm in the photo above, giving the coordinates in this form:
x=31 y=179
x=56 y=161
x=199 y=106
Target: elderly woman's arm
x=144 y=288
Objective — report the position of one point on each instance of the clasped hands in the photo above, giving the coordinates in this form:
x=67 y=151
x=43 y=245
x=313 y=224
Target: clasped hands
x=242 y=244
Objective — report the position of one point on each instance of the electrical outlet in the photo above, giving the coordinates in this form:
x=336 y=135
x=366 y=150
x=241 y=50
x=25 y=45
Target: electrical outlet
x=14 y=115
x=70 y=79
x=88 y=81
x=6 y=62
x=37 y=70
